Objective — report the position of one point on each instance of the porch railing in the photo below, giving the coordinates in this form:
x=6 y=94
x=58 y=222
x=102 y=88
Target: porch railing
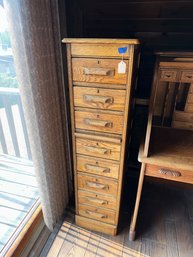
x=13 y=131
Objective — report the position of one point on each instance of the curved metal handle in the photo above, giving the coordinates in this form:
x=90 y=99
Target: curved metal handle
x=99 y=201
x=99 y=150
x=98 y=71
x=99 y=169
x=98 y=123
x=98 y=99
x=97 y=215
x=170 y=173
x=96 y=185
x=189 y=76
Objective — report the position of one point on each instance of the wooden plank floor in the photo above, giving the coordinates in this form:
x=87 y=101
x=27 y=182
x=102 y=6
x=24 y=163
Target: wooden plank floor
x=165 y=229
x=18 y=193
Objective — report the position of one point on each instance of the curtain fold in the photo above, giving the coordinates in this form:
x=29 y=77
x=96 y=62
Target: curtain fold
x=34 y=30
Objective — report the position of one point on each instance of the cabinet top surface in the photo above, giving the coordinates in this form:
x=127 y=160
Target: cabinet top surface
x=101 y=41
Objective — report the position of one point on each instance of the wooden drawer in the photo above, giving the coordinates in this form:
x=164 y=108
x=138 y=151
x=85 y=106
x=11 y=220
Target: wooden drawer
x=190 y=98
x=168 y=75
x=189 y=108
x=98 y=121
x=97 y=213
x=97 y=184
x=187 y=76
x=191 y=89
x=97 y=71
x=97 y=166
x=106 y=99
x=98 y=50
x=183 y=116
x=167 y=173
x=98 y=148
x=182 y=125
x=97 y=200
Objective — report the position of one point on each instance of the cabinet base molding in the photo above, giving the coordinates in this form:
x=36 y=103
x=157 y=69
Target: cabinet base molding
x=96 y=225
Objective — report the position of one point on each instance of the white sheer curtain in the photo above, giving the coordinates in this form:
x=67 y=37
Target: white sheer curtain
x=34 y=29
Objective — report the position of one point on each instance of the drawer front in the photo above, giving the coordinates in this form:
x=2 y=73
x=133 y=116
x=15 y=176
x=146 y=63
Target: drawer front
x=106 y=99
x=97 y=213
x=190 y=98
x=183 y=116
x=189 y=108
x=191 y=89
x=97 y=148
x=97 y=50
x=170 y=174
x=97 y=166
x=168 y=75
x=101 y=122
x=97 y=184
x=97 y=71
x=187 y=76
x=96 y=200
x=182 y=125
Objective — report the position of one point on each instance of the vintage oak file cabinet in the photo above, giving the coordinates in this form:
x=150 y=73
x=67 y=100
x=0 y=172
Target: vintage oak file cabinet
x=100 y=97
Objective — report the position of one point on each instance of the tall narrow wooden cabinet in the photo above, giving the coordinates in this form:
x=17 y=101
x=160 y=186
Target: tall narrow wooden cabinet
x=100 y=86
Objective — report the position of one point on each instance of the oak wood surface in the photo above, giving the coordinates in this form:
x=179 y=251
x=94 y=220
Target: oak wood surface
x=93 y=212
x=97 y=200
x=176 y=152
x=79 y=65
x=99 y=122
x=99 y=50
x=100 y=41
x=98 y=148
x=96 y=225
x=169 y=173
x=97 y=184
x=97 y=166
x=107 y=99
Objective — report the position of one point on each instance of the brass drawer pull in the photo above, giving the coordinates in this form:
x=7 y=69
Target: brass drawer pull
x=98 y=123
x=99 y=150
x=97 y=215
x=98 y=71
x=96 y=185
x=98 y=99
x=170 y=173
x=99 y=201
x=94 y=168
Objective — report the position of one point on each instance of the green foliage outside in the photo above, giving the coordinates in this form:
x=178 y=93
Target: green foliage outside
x=5 y=39
x=7 y=81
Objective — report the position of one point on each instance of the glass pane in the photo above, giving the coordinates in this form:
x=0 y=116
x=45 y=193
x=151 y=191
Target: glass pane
x=18 y=188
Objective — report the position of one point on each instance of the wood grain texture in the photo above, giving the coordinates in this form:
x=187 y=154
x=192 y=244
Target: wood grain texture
x=96 y=225
x=102 y=101
x=98 y=148
x=182 y=125
x=107 y=99
x=183 y=116
x=154 y=171
x=97 y=184
x=101 y=122
x=79 y=64
x=97 y=200
x=176 y=153
x=100 y=41
x=99 y=50
x=97 y=166
x=93 y=212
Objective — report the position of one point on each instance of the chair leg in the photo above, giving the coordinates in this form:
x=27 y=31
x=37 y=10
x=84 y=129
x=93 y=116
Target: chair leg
x=138 y=197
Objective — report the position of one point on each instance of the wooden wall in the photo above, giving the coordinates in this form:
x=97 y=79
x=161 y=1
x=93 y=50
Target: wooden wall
x=160 y=25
